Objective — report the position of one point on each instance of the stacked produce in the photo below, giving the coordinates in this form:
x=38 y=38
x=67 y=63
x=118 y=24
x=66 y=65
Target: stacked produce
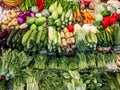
x=12 y=63
x=64 y=3
x=116 y=31
x=27 y=78
x=60 y=45
x=14 y=39
x=68 y=40
x=22 y=18
x=4 y=10
x=27 y=4
x=11 y=22
x=3 y=38
x=83 y=17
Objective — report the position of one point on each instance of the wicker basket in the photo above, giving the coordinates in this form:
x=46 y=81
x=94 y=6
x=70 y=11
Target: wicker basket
x=13 y=2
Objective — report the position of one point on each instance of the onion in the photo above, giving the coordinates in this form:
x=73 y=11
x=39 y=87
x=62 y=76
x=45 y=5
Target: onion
x=21 y=14
x=21 y=20
x=27 y=28
x=27 y=13
x=32 y=14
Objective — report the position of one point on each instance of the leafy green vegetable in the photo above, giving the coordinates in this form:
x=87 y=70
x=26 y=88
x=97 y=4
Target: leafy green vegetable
x=13 y=62
x=98 y=17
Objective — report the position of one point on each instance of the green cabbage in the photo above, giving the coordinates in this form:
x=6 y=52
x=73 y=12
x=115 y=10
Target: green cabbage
x=98 y=17
x=111 y=9
x=100 y=8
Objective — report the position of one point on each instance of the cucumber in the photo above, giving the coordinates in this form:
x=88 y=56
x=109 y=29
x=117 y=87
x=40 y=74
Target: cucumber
x=26 y=37
x=11 y=36
x=33 y=35
x=44 y=34
x=31 y=40
x=40 y=32
x=40 y=45
x=18 y=35
x=20 y=38
x=29 y=44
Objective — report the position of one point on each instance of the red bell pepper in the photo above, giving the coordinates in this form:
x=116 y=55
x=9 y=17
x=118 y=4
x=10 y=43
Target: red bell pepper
x=40 y=4
x=106 y=18
x=105 y=23
x=115 y=16
x=112 y=20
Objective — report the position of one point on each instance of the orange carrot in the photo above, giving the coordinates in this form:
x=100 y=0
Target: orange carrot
x=77 y=12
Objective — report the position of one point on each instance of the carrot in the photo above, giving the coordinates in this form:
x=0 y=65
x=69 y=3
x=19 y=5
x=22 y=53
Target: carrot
x=88 y=15
x=81 y=11
x=85 y=16
x=77 y=12
x=92 y=21
x=85 y=21
x=91 y=15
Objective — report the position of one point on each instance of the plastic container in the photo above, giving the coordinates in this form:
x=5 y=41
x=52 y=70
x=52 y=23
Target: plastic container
x=12 y=2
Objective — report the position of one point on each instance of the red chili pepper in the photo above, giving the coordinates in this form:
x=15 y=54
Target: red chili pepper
x=106 y=18
x=40 y=4
x=112 y=21
x=70 y=28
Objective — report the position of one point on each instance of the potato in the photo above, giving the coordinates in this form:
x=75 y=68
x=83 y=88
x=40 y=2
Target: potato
x=73 y=46
x=72 y=39
x=92 y=6
x=9 y=24
x=65 y=30
x=69 y=41
x=12 y=11
x=14 y=22
x=18 y=13
x=4 y=26
x=82 y=6
x=23 y=26
x=15 y=19
x=63 y=39
x=71 y=34
x=12 y=27
x=13 y=14
x=62 y=35
x=67 y=35
x=64 y=43
x=8 y=17
x=6 y=22
x=17 y=27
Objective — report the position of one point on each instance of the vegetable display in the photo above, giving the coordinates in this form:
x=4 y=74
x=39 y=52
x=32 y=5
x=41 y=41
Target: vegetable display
x=60 y=45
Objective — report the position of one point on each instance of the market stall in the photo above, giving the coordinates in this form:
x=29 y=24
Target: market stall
x=59 y=44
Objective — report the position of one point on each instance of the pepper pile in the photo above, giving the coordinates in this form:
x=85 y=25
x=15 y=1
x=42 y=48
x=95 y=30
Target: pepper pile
x=40 y=4
x=110 y=20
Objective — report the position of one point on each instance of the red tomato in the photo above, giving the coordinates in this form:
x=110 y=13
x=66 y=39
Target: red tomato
x=70 y=28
